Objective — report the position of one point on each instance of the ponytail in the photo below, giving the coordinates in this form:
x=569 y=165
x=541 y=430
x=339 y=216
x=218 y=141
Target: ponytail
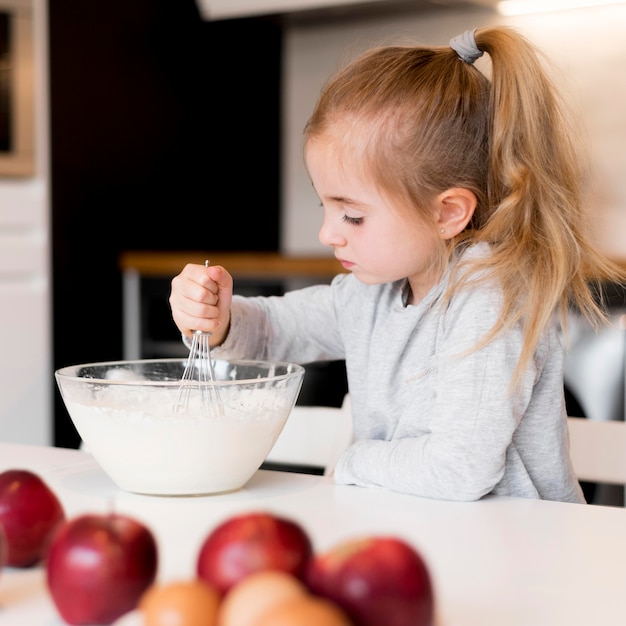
x=534 y=215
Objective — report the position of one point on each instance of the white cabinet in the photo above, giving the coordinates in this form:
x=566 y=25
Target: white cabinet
x=25 y=368
x=25 y=361
x=26 y=375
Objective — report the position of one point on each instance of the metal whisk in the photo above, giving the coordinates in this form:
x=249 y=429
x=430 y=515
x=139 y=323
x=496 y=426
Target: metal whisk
x=199 y=370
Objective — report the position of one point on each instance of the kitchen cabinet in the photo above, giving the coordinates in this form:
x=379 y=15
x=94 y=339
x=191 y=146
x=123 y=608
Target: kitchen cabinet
x=26 y=375
x=25 y=365
x=226 y=9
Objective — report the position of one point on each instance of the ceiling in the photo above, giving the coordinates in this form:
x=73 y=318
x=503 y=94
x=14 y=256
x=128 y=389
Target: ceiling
x=310 y=9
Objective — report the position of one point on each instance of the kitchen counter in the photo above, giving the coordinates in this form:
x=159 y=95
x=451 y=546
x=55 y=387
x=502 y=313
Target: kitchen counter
x=495 y=562
x=260 y=265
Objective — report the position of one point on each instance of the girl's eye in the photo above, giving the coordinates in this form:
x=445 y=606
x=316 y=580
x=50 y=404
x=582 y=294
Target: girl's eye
x=355 y=221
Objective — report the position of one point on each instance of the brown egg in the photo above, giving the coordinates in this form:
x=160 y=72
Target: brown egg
x=180 y=603
x=257 y=594
x=305 y=611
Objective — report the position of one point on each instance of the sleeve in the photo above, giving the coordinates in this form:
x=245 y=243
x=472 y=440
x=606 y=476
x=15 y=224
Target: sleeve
x=460 y=453
x=300 y=327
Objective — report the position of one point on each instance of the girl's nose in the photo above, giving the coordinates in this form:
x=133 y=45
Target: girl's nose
x=330 y=236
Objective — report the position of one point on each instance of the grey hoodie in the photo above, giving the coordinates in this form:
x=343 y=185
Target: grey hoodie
x=431 y=416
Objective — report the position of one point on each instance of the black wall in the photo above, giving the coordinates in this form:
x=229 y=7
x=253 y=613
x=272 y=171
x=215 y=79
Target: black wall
x=164 y=136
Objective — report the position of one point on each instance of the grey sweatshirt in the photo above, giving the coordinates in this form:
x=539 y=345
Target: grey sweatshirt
x=431 y=416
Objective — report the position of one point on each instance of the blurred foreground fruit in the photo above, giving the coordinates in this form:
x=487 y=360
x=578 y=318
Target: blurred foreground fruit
x=257 y=594
x=307 y=611
x=249 y=543
x=29 y=513
x=378 y=581
x=4 y=549
x=180 y=603
x=98 y=566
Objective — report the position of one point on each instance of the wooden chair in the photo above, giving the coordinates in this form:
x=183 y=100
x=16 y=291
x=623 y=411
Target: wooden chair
x=598 y=450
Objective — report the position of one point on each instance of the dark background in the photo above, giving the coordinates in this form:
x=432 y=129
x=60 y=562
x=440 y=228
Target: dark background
x=164 y=136
x=6 y=140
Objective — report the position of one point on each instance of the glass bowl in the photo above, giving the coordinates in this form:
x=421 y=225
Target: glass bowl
x=129 y=417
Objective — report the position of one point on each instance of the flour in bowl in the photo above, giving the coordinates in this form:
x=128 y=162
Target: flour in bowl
x=151 y=449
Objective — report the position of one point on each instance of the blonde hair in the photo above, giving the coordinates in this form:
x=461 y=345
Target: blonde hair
x=431 y=122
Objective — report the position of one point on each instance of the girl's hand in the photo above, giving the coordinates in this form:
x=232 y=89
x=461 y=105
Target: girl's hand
x=200 y=299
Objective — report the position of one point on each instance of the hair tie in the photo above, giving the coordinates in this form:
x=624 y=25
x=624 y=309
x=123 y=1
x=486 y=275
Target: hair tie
x=465 y=46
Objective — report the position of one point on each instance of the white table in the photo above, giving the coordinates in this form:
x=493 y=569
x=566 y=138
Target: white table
x=496 y=562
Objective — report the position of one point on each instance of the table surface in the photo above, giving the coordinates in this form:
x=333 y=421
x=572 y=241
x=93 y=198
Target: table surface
x=498 y=561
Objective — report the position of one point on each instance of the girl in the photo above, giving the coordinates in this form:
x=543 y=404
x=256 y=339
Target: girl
x=454 y=202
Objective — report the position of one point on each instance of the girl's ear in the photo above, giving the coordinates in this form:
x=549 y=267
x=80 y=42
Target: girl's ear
x=454 y=209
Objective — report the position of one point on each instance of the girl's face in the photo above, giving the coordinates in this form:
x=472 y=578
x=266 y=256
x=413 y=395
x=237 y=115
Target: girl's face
x=376 y=242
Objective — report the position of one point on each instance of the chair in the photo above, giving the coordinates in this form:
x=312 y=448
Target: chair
x=315 y=436
x=598 y=450
x=312 y=440
x=594 y=386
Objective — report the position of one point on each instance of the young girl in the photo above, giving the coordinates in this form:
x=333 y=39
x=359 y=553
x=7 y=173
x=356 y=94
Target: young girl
x=454 y=202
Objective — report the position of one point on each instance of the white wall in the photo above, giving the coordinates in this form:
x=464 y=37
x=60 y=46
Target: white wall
x=26 y=376
x=587 y=47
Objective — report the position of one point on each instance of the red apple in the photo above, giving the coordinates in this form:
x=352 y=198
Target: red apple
x=251 y=542
x=98 y=566
x=4 y=549
x=375 y=580
x=29 y=513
